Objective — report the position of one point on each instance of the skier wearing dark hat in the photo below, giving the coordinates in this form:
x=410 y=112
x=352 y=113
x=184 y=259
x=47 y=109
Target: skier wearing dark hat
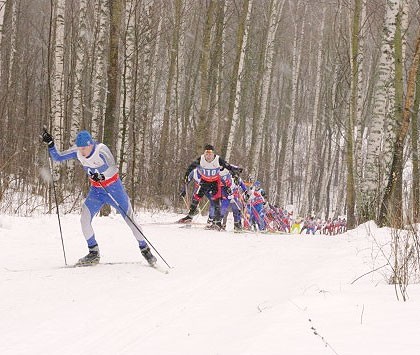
x=209 y=165
x=99 y=164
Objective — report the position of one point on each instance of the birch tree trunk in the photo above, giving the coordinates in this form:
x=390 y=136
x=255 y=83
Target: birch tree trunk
x=308 y=188
x=8 y=35
x=8 y=60
x=415 y=153
x=113 y=89
x=235 y=88
x=173 y=55
x=357 y=109
x=383 y=103
x=99 y=75
x=257 y=135
x=77 y=109
x=57 y=90
x=354 y=109
x=391 y=209
x=127 y=85
x=287 y=170
x=202 y=132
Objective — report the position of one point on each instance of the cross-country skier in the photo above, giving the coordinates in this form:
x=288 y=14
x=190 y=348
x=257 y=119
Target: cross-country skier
x=230 y=198
x=256 y=203
x=196 y=177
x=209 y=165
x=100 y=166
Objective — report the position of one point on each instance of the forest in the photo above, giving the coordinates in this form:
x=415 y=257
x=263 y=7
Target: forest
x=318 y=100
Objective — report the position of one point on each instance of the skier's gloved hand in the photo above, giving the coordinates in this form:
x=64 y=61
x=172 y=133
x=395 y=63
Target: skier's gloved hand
x=186 y=181
x=236 y=170
x=47 y=138
x=246 y=196
x=228 y=191
x=97 y=177
x=183 y=193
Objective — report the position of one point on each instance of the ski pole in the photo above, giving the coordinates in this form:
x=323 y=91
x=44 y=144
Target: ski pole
x=131 y=220
x=56 y=205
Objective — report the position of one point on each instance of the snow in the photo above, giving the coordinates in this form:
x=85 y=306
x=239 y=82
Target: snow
x=226 y=293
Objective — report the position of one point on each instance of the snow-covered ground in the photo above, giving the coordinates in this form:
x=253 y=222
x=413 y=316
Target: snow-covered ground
x=226 y=293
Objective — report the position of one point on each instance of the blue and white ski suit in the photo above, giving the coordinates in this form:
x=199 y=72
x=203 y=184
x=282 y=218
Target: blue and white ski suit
x=102 y=162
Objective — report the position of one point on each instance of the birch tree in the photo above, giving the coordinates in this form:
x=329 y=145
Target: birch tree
x=354 y=111
x=391 y=209
x=287 y=168
x=99 y=75
x=275 y=13
x=172 y=55
x=202 y=133
x=113 y=76
x=57 y=90
x=235 y=87
x=314 y=124
x=383 y=103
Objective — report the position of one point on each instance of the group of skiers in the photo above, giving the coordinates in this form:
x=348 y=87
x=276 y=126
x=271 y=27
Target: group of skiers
x=212 y=177
x=225 y=190
x=220 y=182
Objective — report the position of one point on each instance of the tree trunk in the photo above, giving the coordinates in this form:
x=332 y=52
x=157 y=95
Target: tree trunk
x=263 y=113
x=373 y=172
x=113 y=89
x=391 y=208
x=164 y=138
x=235 y=84
x=202 y=130
x=415 y=152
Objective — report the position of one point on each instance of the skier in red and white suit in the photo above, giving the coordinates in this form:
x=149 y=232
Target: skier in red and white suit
x=209 y=165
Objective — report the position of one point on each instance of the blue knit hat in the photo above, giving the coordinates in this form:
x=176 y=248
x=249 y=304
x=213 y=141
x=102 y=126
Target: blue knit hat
x=83 y=139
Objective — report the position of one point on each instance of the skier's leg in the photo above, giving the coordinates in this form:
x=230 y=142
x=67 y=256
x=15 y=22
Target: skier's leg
x=90 y=208
x=123 y=205
x=117 y=191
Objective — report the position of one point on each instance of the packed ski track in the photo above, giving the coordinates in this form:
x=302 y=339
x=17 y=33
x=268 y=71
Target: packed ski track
x=226 y=293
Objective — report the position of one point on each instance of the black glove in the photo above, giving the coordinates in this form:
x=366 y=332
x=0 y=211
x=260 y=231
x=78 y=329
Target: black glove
x=97 y=177
x=47 y=138
x=236 y=170
x=228 y=190
x=183 y=193
x=186 y=178
x=246 y=196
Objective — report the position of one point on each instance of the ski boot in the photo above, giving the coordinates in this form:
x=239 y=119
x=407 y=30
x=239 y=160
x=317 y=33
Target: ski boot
x=210 y=221
x=92 y=258
x=214 y=226
x=237 y=227
x=186 y=219
x=151 y=259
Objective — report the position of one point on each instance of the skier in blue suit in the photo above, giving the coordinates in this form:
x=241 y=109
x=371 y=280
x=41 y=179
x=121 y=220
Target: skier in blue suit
x=99 y=164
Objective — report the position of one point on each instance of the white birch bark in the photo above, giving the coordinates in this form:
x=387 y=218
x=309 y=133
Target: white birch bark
x=266 y=80
x=360 y=91
x=12 y=43
x=235 y=117
x=328 y=168
x=314 y=124
x=57 y=90
x=378 y=149
x=99 y=76
x=390 y=122
x=2 y=7
x=77 y=111
x=153 y=82
x=296 y=64
x=8 y=41
x=126 y=85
